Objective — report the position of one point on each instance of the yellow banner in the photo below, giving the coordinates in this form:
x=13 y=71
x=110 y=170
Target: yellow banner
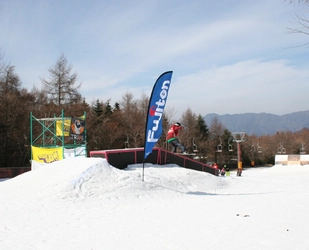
x=67 y=125
x=47 y=155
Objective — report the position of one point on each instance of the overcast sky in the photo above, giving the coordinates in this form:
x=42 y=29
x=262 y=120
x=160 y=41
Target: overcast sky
x=228 y=56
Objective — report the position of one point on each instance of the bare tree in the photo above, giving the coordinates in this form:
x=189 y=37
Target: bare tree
x=39 y=99
x=298 y=1
x=301 y=21
x=60 y=87
x=2 y=64
x=133 y=119
x=13 y=117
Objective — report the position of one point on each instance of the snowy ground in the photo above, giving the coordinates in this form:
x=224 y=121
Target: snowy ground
x=87 y=204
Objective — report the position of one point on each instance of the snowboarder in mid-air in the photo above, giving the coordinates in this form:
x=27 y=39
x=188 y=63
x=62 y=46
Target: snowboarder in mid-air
x=171 y=138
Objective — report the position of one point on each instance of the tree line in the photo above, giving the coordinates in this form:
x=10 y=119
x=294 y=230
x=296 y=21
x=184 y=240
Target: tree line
x=119 y=125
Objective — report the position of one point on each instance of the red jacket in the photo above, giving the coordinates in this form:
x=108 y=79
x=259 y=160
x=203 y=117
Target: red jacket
x=173 y=132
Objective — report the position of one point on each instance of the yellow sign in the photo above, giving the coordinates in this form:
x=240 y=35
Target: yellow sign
x=66 y=127
x=47 y=155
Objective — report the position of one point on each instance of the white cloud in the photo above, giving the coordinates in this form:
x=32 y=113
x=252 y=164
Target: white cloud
x=249 y=86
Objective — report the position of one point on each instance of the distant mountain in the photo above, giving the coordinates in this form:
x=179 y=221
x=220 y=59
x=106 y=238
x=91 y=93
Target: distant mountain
x=262 y=123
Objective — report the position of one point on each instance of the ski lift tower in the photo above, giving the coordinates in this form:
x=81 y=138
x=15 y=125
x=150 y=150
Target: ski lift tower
x=238 y=138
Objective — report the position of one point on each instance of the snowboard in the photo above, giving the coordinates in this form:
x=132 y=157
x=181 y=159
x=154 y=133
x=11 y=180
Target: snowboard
x=189 y=154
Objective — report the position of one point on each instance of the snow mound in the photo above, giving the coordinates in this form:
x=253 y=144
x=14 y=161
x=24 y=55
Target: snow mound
x=92 y=177
x=179 y=179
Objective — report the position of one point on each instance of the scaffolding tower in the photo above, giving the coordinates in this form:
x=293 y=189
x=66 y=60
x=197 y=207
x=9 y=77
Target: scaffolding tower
x=55 y=132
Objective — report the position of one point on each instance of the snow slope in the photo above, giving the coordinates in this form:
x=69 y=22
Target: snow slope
x=84 y=203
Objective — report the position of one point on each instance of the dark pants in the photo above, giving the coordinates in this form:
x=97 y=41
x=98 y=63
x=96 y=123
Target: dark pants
x=175 y=143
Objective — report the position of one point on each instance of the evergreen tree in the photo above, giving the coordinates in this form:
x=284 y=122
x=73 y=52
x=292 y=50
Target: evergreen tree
x=108 y=109
x=116 y=106
x=202 y=128
x=97 y=108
